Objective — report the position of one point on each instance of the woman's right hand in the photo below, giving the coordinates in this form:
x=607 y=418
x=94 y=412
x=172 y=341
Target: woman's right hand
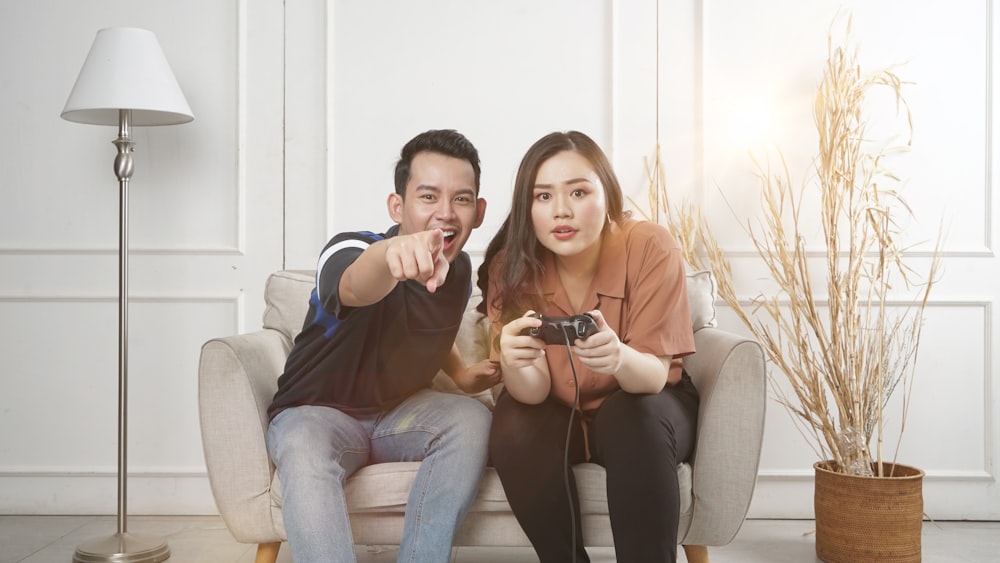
x=517 y=349
x=522 y=361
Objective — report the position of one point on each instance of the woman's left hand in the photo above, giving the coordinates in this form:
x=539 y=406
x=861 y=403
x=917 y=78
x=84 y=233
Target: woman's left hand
x=600 y=352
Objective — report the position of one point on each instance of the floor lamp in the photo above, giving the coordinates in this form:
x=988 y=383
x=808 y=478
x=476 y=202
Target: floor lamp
x=125 y=81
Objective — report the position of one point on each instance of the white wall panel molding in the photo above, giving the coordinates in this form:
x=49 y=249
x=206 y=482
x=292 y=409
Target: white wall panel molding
x=933 y=475
x=517 y=74
x=134 y=250
x=206 y=214
x=155 y=298
x=633 y=98
x=951 y=426
x=791 y=497
x=759 y=93
x=167 y=159
x=67 y=400
x=236 y=301
x=149 y=493
x=208 y=251
x=990 y=125
x=7 y=472
x=242 y=90
x=750 y=79
x=308 y=128
x=747 y=252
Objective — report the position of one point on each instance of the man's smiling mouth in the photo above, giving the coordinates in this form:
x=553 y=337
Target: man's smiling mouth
x=449 y=236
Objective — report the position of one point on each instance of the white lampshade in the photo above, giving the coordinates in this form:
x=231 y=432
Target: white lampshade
x=126 y=69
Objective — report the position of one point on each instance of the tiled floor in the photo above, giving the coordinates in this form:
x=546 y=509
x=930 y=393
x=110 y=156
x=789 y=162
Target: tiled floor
x=204 y=539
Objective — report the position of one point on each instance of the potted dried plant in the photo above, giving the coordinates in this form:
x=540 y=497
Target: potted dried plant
x=845 y=350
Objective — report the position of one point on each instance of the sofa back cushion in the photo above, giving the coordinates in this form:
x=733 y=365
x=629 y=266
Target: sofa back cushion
x=701 y=299
x=286 y=295
x=286 y=298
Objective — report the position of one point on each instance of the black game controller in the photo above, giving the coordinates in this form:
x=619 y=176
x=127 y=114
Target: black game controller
x=556 y=330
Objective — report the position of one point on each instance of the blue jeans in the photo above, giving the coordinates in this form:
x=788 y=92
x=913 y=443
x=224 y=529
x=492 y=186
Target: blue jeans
x=315 y=450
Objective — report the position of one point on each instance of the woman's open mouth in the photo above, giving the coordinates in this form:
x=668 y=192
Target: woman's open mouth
x=563 y=233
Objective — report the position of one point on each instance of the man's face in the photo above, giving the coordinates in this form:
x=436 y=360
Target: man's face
x=440 y=194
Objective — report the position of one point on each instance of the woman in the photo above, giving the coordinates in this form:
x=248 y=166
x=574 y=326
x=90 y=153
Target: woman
x=567 y=248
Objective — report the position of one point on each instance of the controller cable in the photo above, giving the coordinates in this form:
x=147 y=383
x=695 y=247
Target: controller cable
x=569 y=431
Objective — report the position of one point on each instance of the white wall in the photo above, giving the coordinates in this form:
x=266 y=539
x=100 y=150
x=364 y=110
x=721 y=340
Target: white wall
x=300 y=112
x=944 y=53
x=206 y=228
x=501 y=73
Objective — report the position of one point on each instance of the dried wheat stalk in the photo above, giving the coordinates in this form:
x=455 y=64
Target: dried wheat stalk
x=844 y=362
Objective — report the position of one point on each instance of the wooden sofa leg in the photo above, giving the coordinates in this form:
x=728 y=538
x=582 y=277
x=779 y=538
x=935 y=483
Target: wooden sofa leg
x=268 y=552
x=696 y=553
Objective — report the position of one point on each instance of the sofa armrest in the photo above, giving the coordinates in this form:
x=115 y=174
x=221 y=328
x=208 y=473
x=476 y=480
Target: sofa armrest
x=237 y=378
x=729 y=371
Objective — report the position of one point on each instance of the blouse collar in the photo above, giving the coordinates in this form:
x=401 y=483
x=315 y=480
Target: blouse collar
x=609 y=280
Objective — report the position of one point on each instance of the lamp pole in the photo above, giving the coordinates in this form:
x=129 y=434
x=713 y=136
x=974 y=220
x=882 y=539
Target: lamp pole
x=123 y=170
x=123 y=547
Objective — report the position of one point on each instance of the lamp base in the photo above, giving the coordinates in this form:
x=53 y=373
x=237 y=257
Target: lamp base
x=122 y=548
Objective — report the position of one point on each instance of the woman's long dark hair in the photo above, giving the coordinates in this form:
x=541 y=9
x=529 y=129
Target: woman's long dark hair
x=518 y=278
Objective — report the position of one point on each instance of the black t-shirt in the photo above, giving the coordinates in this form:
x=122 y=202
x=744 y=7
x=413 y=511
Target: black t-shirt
x=368 y=359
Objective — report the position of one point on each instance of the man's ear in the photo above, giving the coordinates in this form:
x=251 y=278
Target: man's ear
x=480 y=212
x=395 y=206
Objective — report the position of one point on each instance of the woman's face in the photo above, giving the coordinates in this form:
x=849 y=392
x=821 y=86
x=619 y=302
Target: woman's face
x=569 y=208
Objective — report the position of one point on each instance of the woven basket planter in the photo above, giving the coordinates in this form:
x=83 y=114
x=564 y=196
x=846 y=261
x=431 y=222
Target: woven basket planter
x=863 y=519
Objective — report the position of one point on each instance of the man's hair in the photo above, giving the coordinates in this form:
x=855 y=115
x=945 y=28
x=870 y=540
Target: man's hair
x=444 y=141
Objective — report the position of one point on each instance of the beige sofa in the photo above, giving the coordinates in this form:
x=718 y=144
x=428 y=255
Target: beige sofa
x=237 y=378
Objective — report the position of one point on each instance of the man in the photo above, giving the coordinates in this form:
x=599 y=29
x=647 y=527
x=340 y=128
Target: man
x=356 y=387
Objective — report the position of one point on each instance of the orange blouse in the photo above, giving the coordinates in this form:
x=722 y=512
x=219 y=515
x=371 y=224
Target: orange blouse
x=641 y=289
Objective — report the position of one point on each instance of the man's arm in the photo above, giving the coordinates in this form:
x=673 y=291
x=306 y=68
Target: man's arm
x=386 y=262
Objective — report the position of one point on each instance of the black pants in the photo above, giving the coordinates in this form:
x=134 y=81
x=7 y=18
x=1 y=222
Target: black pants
x=638 y=438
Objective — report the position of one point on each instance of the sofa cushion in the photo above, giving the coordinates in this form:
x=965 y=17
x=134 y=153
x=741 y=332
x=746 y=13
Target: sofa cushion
x=701 y=299
x=286 y=299
x=286 y=295
x=384 y=487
